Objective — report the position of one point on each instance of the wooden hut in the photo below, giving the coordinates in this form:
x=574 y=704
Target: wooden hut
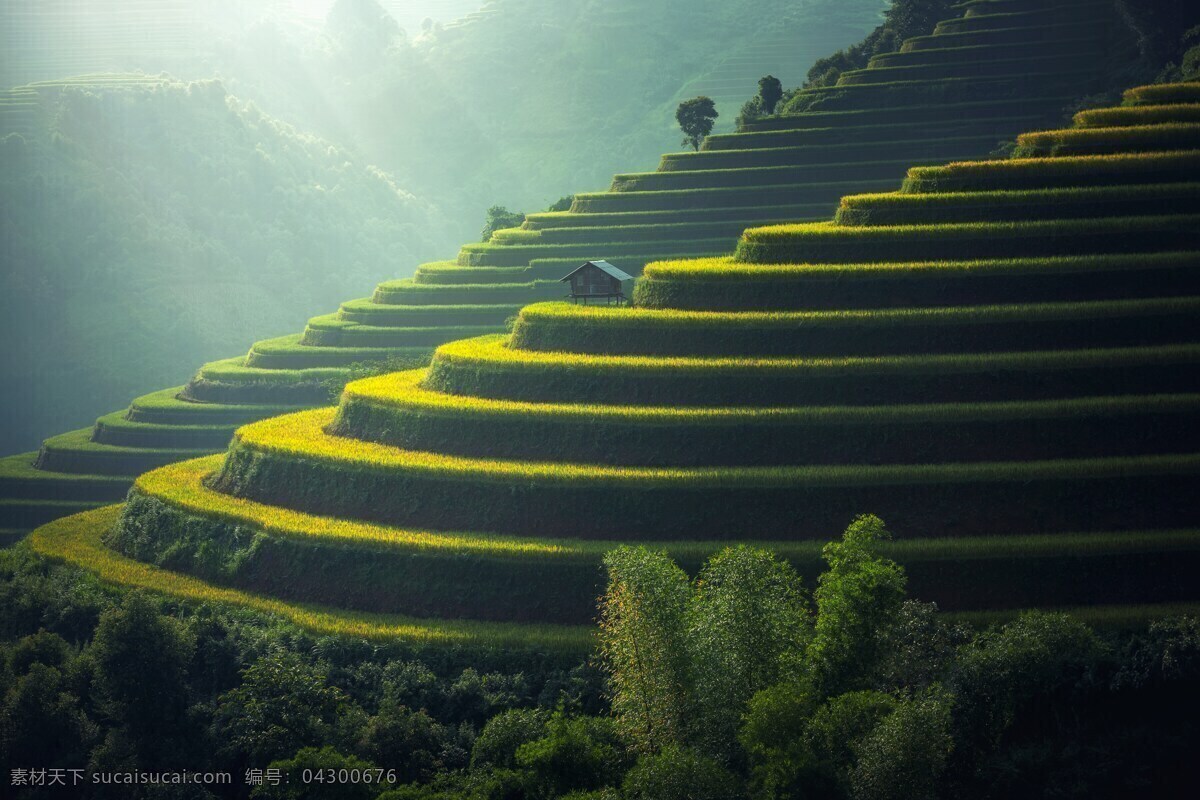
x=597 y=280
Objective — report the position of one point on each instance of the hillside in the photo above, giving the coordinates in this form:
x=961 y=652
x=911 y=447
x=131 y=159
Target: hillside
x=999 y=358
x=149 y=223
x=784 y=168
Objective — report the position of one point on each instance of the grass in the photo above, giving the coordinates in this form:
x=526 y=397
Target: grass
x=115 y=429
x=1163 y=136
x=798 y=155
x=77 y=452
x=894 y=208
x=828 y=242
x=727 y=269
x=77 y=540
x=997 y=64
x=808 y=192
x=862 y=170
x=302 y=436
x=1032 y=173
x=164 y=407
x=501 y=255
x=1163 y=93
x=366 y=312
x=20 y=479
x=280 y=548
x=1137 y=115
x=978 y=328
x=486 y=367
x=574 y=219
x=397 y=410
x=290 y=352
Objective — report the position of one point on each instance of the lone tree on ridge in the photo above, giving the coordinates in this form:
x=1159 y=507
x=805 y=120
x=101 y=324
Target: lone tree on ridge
x=695 y=118
x=770 y=92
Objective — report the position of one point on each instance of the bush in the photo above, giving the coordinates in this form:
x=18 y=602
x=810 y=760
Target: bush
x=676 y=773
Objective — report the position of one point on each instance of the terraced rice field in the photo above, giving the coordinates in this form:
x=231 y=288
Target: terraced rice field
x=1016 y=394
x=967 y=87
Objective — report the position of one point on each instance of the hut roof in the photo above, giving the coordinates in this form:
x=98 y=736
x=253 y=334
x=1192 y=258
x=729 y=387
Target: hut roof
x=604 y=266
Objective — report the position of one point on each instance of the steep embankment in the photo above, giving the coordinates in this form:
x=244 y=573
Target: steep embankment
x=999 y=359
x=968 y=96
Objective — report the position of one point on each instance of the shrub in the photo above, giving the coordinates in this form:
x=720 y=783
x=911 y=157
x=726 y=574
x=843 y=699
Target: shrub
x=676 y=773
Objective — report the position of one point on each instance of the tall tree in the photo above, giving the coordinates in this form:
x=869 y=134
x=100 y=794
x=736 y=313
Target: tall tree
x=770 y=92
x=695 y=118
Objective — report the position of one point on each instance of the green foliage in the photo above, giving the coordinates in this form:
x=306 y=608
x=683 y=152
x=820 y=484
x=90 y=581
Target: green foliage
x=326 y=763
x=677 y=773
x=141 y=660
x=282 y=705
x=905 y=755
x=902 y=19
x=502 y=735
x=409 y=742
x=643 y=635
x=858 y=595
x=749 y=627
x=562 y=203
x=770 y=92
x=696 y=118
x=498 y=218
x=575 y=754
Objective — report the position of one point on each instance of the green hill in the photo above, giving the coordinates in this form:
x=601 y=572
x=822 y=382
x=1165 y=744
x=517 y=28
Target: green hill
x=999 y=358
x=784 y=168
x=149 y=223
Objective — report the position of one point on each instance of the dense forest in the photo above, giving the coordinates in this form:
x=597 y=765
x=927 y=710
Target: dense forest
x=739 y=684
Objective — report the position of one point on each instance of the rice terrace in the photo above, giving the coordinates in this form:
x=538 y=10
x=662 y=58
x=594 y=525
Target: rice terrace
x=850 y=451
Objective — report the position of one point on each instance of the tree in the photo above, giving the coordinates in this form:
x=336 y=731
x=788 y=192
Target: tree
x=770 y=92
x=905 y=756
x=283 y=705
x=680 y=774
x=141 y=660
x=857 y=598
x=319 y=762
x=749 y=627
x=499 y=217
x=643 y=641
x=695 y=118
x=576 y=753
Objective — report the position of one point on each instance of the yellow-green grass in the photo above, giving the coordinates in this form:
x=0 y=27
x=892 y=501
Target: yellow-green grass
x=808 y=192
x=668 y=237
x=19 y=479
x=333 y=332
x=500 y=255
x=574 y=219
x=487 y=367
x=290 y=352
x=1137 y=115
x=917 y=113
x=997 y=62
x=1068 y=48
x=293 y=461
x=1032 y=32
x=165 y=407
x=453 y=273
x=727 y=285
x=1010 y=18
x=817 y=242
x=1163 y=94
x=174 y=519
x=115 y=429
x=369 y=313
x=231 y=382
x=881 y=134
x=567 y=327
x=898 y=208
x=861 y=170
x=397 y=410
x=1160 y=137
x=912 y=148
x=77 y=540
x=76 y=452
x=1035 y=173
x=408 y=293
